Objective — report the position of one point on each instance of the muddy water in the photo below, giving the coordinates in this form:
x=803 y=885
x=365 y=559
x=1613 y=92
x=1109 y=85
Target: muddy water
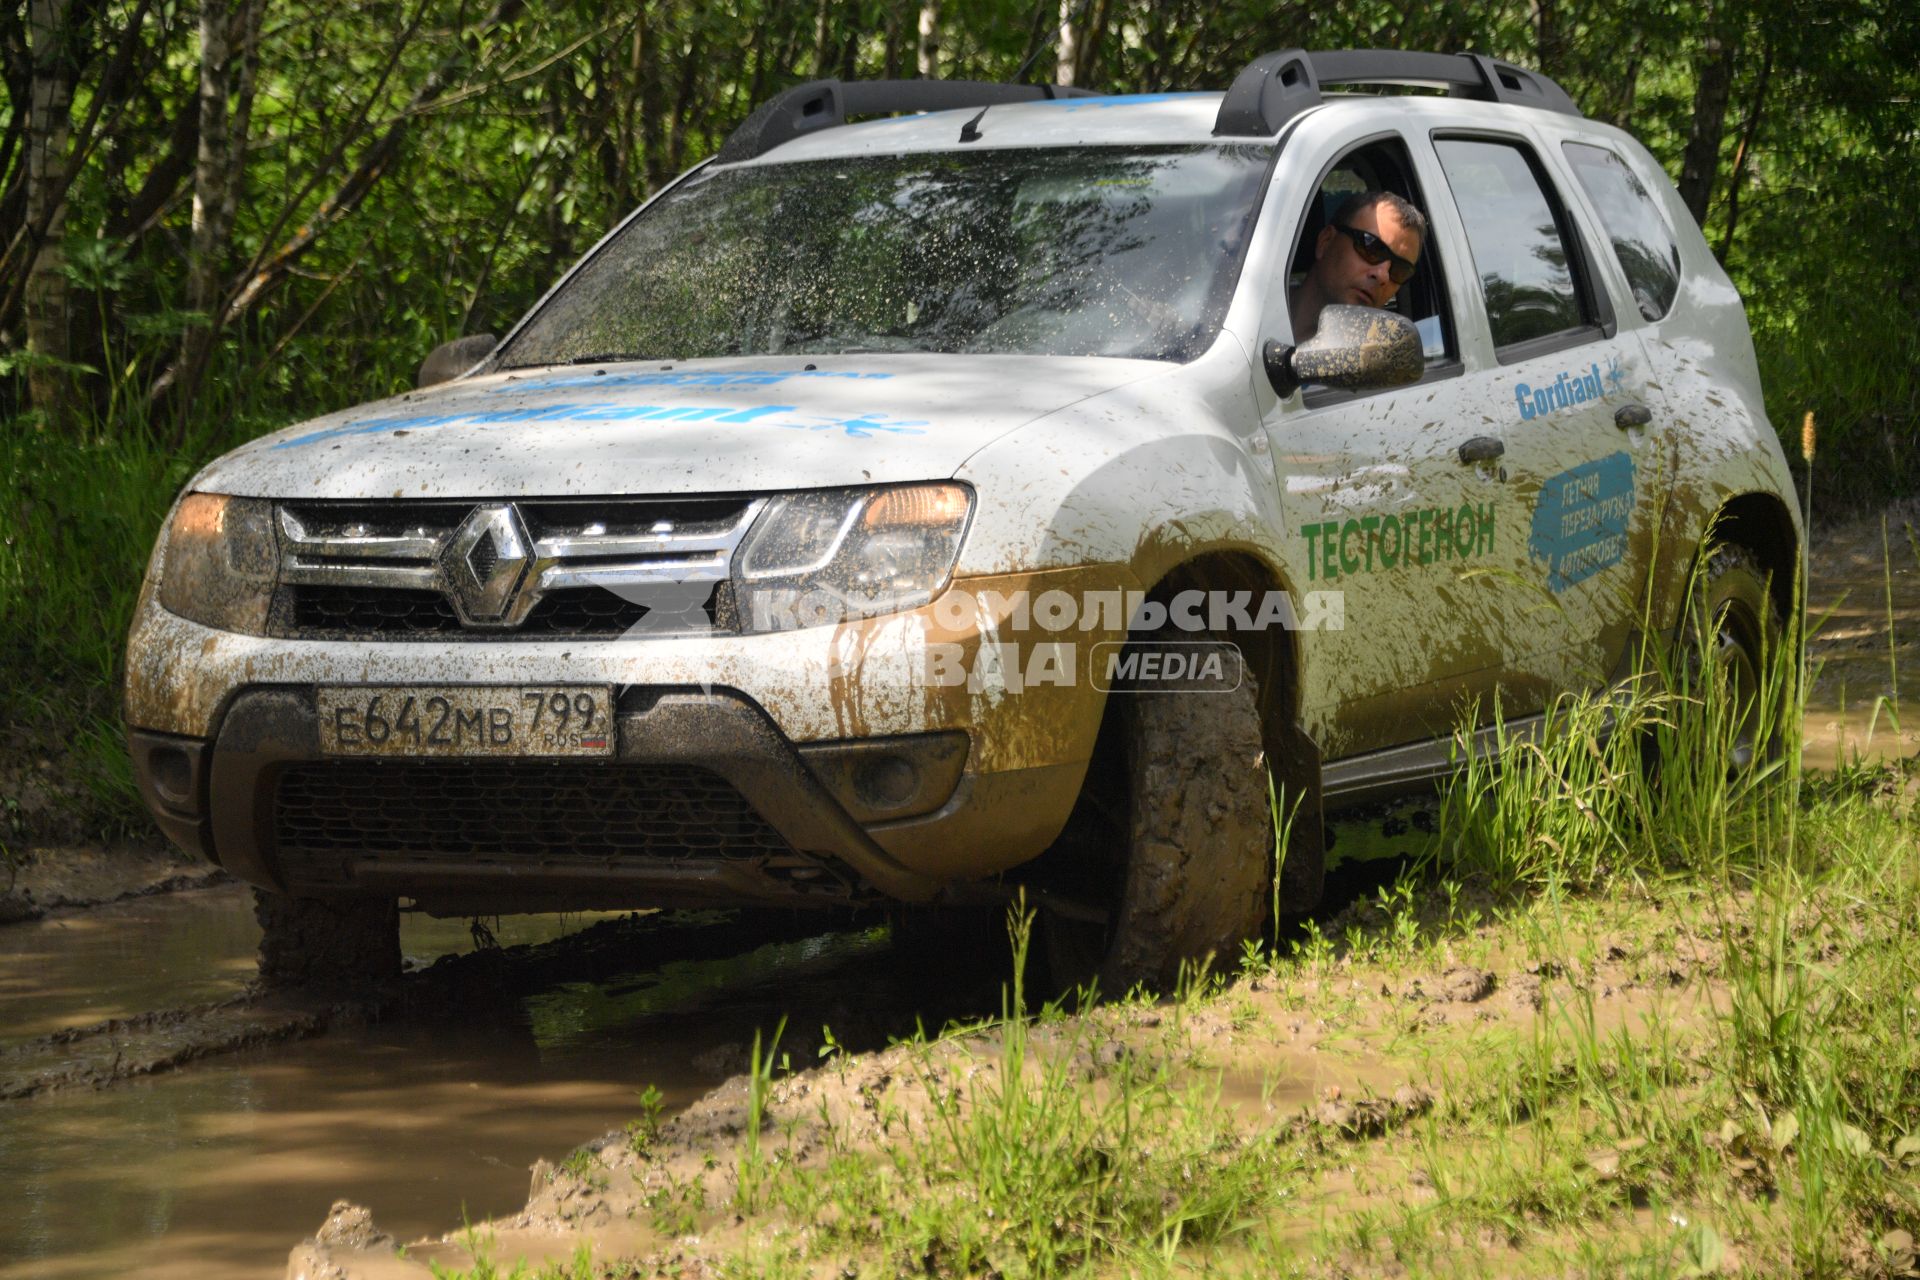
x=214 y=1171
x=1864 y=622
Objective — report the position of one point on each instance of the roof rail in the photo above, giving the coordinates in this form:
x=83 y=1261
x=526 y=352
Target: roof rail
x=1276 y=87
x=825 y=104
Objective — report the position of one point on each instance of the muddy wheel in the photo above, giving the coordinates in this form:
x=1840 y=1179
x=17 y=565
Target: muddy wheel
x=327 y=942
x=1735 y=628
x=1185 y=841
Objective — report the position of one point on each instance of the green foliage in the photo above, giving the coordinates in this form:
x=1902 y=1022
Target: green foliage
x=514 y=144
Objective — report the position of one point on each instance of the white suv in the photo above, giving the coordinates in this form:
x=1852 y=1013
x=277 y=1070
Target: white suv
x=909 y=510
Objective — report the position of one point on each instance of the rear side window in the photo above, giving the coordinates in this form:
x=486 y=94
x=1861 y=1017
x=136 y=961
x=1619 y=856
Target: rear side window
x=1641 y=241
x=1519 y=241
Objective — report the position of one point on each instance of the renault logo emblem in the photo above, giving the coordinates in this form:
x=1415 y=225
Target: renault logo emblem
x=485 y=562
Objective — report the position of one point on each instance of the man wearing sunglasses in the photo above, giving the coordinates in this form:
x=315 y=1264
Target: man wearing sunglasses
x=1361 y=257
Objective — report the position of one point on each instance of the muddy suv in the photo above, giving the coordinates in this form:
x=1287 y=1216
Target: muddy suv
x=904 y=511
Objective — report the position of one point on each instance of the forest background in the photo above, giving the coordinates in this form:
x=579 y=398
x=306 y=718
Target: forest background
x=219 y=218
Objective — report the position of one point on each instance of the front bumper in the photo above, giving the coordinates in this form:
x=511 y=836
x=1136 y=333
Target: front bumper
x=834 y=777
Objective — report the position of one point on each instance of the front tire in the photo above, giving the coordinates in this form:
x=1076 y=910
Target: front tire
x=1189 y=840
x=327 y=942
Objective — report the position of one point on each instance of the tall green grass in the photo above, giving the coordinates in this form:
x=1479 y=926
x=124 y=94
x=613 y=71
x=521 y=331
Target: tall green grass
x=1813 y=891
x=78 y=528
x=1673 y=769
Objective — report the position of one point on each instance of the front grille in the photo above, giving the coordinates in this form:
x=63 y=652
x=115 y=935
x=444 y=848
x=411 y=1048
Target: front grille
x=535 y=811
x=371 y=611
x=374 y=613
x=595 y=568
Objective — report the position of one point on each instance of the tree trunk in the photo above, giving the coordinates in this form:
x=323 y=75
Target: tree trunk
x=1093 y=31
x=1700 y=164
x=1548 y=38
x=49 y=130
x=892 y=48
x=1067 y=48
x=653 y=41
x=683 y=104
x=1743 y=154
x=227 y=60
x=270 y=268
x=823 y=42
x=929 y=59
x=211 y=172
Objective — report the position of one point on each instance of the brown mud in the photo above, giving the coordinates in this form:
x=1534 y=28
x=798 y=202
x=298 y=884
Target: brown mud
x=429 y=1101
x=1322 y=1060
x=431 y=1098
x=57 y=878
x=1863 y=604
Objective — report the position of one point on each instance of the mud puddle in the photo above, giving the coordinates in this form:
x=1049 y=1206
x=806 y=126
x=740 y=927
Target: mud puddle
x=432 y=1108
x=174 y=950
x=1863 y=604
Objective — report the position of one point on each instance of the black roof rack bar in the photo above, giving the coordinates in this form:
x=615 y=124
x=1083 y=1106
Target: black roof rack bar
x=1275 y=87
x=825 y=104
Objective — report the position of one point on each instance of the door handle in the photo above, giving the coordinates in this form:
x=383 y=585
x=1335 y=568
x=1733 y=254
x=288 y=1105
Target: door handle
x=1632 y=415
x=1482 y=449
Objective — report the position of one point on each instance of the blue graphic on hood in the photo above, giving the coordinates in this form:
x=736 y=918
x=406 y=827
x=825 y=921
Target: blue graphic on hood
x=1580 y=520
x=859 y=426
x=662 y=378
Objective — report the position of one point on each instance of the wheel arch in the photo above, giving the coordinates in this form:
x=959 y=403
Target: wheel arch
x=1763 y=524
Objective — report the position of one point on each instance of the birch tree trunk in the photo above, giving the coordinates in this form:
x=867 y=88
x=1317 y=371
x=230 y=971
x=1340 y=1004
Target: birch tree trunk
x=49 y=133
x=227 y=38
x=929 y=39
x=209 y=184
x=1068 y=48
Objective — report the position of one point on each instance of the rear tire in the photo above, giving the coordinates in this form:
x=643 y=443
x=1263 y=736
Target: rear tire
x=1736 y=627
x=1193 y=824
x=327 y=942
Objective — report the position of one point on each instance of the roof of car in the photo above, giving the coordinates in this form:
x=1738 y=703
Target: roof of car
x=1152 y=119
x=1145 y=118
x=812 y=120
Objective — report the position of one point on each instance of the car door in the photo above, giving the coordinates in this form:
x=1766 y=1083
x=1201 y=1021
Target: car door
x=1378 y=502
x=1561 y=392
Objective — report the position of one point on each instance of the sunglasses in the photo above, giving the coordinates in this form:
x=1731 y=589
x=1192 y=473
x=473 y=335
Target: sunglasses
x=1373 y=251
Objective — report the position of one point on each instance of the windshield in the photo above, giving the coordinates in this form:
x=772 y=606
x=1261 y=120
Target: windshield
x=1041 y=252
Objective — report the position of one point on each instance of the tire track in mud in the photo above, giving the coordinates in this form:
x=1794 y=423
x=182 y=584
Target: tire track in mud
x=484 y=984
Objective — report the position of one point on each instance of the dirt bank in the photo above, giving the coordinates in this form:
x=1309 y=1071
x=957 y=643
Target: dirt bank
x=1160 y=1122
x=74 y=877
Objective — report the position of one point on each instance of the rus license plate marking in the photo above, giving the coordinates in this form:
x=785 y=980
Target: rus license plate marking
x=466 y=720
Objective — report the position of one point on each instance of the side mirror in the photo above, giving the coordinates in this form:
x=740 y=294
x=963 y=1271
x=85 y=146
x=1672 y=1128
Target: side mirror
x=451 y=359
x=1354 y=349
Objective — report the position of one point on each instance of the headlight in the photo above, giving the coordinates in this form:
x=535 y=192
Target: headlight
x=817 y=558
x=220 y=562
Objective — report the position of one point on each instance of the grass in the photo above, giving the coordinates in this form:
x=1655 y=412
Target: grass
x=75 y=536
x=1701 y=1056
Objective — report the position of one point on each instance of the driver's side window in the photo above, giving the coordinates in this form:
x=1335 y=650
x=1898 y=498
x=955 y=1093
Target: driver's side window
x=1381 y=165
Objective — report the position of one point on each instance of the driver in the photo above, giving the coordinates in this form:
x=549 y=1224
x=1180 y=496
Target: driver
x=1361 y=258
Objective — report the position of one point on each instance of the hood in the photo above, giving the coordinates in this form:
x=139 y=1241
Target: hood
x=710 y=426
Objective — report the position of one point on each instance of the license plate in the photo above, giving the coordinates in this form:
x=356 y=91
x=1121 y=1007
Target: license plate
x=467 y=720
